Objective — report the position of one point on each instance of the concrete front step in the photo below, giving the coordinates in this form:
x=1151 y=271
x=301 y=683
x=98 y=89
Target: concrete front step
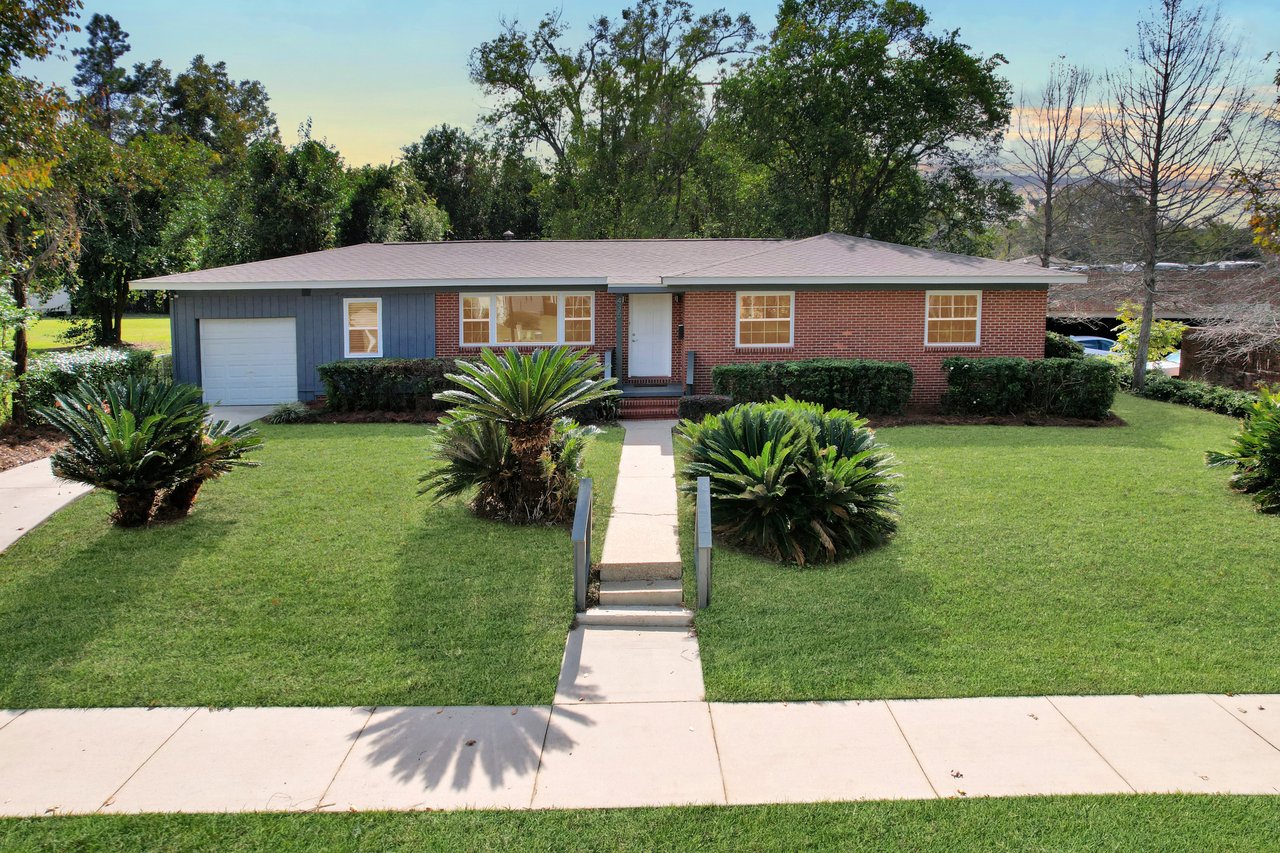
x=664 y=570
x=645 y=592
x=638 y=617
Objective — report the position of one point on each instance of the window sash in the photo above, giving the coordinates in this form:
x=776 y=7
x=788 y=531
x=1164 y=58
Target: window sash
x=764 y=313
x=480 y=318
x=953 y=318
x=351 y=329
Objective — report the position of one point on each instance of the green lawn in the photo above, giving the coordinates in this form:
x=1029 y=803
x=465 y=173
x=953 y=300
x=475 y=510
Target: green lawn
x=1126 y=823
x=319 y=578
x=149 y=331
x=1030 y=560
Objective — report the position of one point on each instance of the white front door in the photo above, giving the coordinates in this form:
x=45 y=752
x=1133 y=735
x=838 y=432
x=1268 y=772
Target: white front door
x=249 y=362
x=649 y=353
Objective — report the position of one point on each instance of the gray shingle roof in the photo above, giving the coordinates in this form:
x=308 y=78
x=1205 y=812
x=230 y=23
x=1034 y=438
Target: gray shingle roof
x=828 y=257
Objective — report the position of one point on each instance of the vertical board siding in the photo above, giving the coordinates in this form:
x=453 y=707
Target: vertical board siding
x=408 y=325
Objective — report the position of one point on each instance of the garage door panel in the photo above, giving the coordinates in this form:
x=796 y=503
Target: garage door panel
x=249 y=362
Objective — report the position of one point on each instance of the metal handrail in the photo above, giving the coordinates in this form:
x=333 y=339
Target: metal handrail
x=582 y=518
x=702 y=539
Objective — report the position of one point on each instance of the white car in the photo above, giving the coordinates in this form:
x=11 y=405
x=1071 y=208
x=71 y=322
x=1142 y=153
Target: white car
x=1170 y=365
x=1094 y=345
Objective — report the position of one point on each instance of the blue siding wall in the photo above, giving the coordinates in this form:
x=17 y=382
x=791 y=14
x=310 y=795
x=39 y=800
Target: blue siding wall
x=408 y=325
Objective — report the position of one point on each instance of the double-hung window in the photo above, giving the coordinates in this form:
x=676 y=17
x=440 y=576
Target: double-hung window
x=953 y=318
x=526 y=319
x=363 y=332
x=766 y=319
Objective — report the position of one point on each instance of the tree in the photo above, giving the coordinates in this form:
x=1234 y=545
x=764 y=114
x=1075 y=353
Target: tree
x=387 y=204
x=103 y=83
x=855 y=107
x=280 y=201
x=624 y=115
x=1053 y=145
x=37 y=224
x=135 y=206
x=205 y=104
x=1177 y=125
x=485 y=187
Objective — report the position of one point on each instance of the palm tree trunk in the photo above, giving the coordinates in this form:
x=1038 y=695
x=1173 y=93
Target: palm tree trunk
x=133 y=509
x=178 y=502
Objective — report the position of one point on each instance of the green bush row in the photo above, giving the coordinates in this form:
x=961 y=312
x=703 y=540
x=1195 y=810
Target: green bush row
x=1200 y=395
x=695 y=407
x=1065 y=387
x=61 y=372
x=858 y=385
x=385 y=384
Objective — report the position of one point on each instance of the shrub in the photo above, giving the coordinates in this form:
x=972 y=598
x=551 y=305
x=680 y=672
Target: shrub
x=1069 y=387
x=1200 y=395
x=697 y=406
x=985 y=386
x=1061 y=346
x=477 y=455
x=603 y=411
x=792 y=480
x=61 y=372
x=1065 y=387
x=384 y=384
x=145 y=440
x=527 y=396
x=1255 y=453
x=290 y=413
x=868 y=387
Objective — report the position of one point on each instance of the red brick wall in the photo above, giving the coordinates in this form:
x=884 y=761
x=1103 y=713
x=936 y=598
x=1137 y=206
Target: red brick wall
x=884 y=325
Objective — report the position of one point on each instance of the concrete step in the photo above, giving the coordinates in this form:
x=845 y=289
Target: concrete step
x=646 y=592
x=640 y=571
x=638 y=617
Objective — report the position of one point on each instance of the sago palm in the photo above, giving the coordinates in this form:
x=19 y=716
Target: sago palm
x=526 y=394
x=1255 y=453
x=214 y=450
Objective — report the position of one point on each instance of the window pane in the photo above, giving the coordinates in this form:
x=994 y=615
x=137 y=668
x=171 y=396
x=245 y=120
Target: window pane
x=577 y=331
x=526 y=319
x=577 y=307
x=362 y=341
x=475 y=331
x=475 y=308
x=362 y=315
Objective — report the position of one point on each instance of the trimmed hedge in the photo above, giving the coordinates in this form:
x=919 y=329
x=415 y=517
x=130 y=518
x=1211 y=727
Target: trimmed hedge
x=697 y=406
x=857 y=385
x=1061 y=346
x=61 y=372
x=1065 y=387
x=385 y=384
x=1199 y=395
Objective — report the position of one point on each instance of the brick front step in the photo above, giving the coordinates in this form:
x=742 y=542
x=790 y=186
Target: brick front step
x=649 y=408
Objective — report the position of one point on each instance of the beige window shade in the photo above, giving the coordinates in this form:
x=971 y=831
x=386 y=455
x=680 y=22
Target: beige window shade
x=475 y=319
x=764 y=319
x=952 y=318
x=577 y=319
x=363 y=336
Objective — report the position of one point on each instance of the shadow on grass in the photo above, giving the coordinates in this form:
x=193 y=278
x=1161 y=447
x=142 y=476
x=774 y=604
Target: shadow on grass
x=50 y=619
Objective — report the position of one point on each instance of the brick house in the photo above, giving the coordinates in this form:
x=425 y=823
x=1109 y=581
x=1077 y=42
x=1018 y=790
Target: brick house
x=661 y=314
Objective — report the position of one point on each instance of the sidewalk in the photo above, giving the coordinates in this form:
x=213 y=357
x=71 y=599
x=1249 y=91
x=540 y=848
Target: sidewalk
x=606 y=754
x=28 y=495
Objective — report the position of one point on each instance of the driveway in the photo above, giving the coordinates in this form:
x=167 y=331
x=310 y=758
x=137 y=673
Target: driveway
x=236 y=415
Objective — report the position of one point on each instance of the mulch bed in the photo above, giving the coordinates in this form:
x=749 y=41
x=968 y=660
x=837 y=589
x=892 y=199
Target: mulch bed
x=320 y=416
x=924 y=417
x=20 y=445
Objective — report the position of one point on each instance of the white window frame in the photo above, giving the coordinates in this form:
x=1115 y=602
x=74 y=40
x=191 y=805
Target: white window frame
x=560 y=318
x=737 y=318
x=346 y=327
x=977 y=330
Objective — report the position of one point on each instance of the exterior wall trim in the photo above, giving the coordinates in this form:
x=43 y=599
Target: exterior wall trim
x=586 y=283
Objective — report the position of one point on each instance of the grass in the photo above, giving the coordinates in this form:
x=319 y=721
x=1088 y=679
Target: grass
x=1119 y=823
x=149 y=331
x=319 y=578
x=1030 y=560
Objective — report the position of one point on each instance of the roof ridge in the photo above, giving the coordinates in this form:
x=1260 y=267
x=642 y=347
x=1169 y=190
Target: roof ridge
x=785 y=244
x=584 y=240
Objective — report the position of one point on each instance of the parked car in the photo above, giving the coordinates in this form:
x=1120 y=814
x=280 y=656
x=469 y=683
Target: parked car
x=1094 y=345
x=1170 y=365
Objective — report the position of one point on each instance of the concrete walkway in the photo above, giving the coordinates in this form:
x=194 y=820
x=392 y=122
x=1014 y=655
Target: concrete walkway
x=28 y=495
x=584 y=754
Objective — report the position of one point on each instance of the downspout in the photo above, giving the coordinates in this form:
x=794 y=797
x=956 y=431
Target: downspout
x=620 y=326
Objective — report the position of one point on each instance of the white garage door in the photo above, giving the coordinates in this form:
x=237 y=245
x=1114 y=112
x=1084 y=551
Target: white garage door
x=249 y=362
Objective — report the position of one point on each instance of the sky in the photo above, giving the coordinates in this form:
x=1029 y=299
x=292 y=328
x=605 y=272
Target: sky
x=375 y=76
